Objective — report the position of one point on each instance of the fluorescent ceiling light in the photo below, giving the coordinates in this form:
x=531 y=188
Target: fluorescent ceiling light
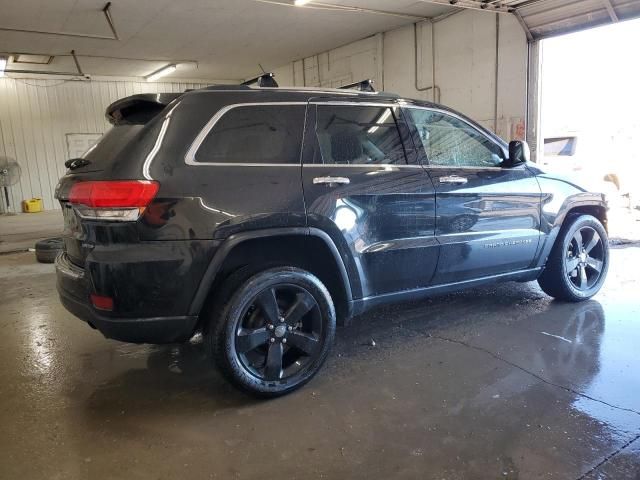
x=300 y=3
x=32 y=58
x=3 y=65
x=161 y=73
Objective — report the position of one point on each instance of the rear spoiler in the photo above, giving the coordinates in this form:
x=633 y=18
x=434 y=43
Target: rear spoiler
x=138 y=109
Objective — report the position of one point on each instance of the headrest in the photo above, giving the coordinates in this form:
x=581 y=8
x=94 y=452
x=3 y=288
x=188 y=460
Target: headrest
x=346 y=147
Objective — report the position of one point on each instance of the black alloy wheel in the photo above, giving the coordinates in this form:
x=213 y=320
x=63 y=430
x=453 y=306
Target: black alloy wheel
x=271 y=331
x=577 y=265
x=585 y=258
x=279 y=333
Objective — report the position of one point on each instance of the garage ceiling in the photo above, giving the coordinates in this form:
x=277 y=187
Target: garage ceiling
x=227 y=39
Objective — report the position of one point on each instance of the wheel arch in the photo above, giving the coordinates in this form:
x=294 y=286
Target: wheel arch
x=290 y=246
x=595 y=208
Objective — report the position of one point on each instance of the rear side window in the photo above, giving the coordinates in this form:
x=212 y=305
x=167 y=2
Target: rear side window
x=353 y=135
x=264 y=134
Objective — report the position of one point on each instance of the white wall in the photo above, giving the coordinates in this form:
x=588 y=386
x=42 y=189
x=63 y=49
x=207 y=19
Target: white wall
x=36 y=115
x=465 y=66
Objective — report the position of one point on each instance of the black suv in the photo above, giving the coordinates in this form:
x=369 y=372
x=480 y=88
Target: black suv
x=261 y=215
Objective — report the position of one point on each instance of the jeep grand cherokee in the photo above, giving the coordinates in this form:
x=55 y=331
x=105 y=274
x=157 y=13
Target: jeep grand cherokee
x=261 y=215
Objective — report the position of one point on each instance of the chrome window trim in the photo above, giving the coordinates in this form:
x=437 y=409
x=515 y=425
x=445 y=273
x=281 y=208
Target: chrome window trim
x=463 y=120
x=190 y=157
x=389 y=104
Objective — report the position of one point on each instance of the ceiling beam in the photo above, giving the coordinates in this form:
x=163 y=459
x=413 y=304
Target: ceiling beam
x=610 y=10
x=107 y=14
x=486 y=6
x=317 y=5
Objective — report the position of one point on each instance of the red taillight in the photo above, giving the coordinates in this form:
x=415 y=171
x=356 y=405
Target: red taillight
x=102 y=302
x=113 y=194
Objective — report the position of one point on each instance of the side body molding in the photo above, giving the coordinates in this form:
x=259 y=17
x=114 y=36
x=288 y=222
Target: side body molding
x=234 y=240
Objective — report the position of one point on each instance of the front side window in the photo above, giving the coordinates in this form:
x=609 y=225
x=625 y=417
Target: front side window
x=265 y=134
x=357 y=135
x=451 y=142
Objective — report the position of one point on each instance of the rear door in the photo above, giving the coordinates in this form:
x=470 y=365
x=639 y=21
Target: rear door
x=363 y=185
x=487 y=216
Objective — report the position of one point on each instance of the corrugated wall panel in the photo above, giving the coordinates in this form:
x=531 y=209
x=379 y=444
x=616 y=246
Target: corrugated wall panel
x=36 y=115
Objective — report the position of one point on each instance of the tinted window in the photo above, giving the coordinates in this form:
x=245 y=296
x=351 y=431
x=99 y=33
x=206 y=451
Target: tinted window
x=355 y=135
x=255 y=134
x=449 y=141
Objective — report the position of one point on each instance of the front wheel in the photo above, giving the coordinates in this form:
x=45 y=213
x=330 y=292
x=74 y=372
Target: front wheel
x=273 y=330
x=579 y=260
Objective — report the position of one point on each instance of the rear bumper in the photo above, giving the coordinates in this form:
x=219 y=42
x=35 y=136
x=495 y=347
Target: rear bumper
x=73 y=288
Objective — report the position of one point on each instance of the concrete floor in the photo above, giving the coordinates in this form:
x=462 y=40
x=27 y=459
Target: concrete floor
x=490 y=383
x=20 y=232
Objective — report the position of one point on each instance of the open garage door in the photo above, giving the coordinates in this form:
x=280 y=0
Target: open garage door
x=547 y=18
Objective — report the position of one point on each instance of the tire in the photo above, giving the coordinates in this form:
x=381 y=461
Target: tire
x=580 y=235
x=270 y=349
x=47 y=250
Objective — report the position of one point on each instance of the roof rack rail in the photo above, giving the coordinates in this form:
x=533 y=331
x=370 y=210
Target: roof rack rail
x=363 y=86
x=264 y=80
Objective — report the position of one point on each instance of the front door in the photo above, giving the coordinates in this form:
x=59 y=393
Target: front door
x=375 y=201
x=487 y=216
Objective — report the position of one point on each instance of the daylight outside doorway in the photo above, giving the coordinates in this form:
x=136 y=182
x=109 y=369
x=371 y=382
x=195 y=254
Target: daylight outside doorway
x=589 y=117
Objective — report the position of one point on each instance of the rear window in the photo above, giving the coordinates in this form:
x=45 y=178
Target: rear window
x=109 y=146
x=263 y=134
x=560 y=146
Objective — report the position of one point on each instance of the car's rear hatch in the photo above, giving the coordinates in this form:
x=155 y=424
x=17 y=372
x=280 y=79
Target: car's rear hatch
x=128 y=117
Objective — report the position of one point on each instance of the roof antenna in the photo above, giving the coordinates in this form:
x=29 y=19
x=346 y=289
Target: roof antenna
x=261 y=68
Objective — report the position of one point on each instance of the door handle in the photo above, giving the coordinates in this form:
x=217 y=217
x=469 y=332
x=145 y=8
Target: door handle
x=453 y=179
x=331 y=181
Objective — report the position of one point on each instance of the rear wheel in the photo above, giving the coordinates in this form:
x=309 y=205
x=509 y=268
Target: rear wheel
x=271 y=331
x=578 y=263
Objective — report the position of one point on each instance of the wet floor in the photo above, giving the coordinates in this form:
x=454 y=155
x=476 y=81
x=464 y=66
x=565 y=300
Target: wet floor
x=491 y=383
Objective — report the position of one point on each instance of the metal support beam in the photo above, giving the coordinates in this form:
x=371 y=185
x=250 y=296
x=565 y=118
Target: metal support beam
x=611 y=11
x=317 y=5
x=524 y=26
x=106 y=12
x=41 y=72
x=75 y=59
x=534 y=101
x=472 y=5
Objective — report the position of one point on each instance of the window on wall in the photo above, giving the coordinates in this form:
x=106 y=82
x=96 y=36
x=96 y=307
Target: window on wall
x=255 y=134
x=449 y=141
x=354 y=135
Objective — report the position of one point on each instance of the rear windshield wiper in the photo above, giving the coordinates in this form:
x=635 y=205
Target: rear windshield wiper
x=74 y=163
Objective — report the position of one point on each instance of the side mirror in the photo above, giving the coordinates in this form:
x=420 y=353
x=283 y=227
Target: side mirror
x=518 y=152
